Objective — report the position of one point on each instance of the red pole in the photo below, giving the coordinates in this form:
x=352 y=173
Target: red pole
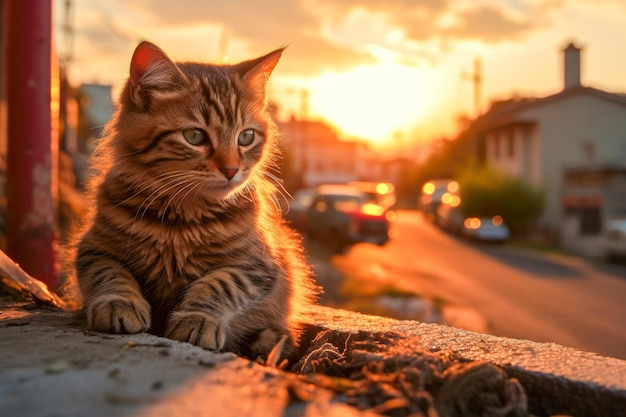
x=31 y=163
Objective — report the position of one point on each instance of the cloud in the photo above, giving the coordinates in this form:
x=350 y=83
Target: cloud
x=269 y=21
x=425 y=20
x=490 y=24
x=264 y=26
x=323 y=34
x=308 y=56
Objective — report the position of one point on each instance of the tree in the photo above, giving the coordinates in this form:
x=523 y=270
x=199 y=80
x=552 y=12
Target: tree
x=486 y=192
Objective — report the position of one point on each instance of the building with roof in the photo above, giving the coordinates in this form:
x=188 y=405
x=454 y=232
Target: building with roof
x=540 y=140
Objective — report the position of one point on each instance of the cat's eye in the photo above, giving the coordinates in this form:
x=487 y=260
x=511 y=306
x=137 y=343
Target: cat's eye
x=194 y=136
x=246 y=137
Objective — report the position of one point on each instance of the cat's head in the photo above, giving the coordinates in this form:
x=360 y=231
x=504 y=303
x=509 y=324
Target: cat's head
x=205 y=124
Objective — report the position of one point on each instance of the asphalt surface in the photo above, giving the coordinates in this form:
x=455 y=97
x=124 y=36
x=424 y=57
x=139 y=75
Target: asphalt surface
x=521 y=294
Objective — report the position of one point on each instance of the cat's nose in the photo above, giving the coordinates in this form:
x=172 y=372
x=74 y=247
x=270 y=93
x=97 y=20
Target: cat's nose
x=229 y=172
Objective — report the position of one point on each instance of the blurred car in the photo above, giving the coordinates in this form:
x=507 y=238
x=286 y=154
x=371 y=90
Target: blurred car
x=450 y=217
x=343 y=215
x=382 y=193
x=295 y=214
x=614 y=240
x=432 y=192
x=490 y=229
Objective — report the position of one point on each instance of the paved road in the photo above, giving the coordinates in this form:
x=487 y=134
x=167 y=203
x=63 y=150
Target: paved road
x=544 y=298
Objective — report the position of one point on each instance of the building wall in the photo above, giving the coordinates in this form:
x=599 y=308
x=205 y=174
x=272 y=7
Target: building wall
x=577 y=130
x=616 y=197
x=514 y=149
x=318 y=154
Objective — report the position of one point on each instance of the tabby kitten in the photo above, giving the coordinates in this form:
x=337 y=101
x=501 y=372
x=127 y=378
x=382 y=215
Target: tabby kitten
x=185 y=238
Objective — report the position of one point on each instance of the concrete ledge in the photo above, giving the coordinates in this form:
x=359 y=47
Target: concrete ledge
x=557 y=380
x=50 y=366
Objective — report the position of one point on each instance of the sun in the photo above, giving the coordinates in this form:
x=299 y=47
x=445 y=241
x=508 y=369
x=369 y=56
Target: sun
x=373 y=102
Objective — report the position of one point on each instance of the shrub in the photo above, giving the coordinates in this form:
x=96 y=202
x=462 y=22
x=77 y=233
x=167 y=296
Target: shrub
x=486 y=192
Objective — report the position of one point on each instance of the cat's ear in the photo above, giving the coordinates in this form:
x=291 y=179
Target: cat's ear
x=256 y=72
x=151 y=71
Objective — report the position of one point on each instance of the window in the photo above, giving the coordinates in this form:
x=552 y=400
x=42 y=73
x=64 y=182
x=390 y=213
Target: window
x=590 y=219
x=321 y=205
x=348 y=204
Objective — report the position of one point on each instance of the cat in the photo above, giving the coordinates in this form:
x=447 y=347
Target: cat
x=185 y=238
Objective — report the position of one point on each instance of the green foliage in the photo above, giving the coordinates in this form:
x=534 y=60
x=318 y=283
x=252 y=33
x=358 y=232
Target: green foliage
x=485 y=192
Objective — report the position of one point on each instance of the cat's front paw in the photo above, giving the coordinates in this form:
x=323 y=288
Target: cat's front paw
x=196 y=328
x=116 y=314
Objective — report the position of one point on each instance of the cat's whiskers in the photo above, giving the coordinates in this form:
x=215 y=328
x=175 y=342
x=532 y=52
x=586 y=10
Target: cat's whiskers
x=141 y=177
x=195 y=187
x=173 y=197
x=246 y=192
x=169 y=178
x=171 y=182
x=176 y=182
x=280 y=189
x=164 y=191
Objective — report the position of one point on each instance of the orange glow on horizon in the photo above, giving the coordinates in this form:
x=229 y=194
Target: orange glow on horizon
x=374 y=102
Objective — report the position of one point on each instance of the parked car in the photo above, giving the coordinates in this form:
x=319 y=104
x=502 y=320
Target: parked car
x=382 y=193
x=614 y=240
x=295 y=213
x=342 y=215
x=450 y=217
x=491 y=229
x=432 y=192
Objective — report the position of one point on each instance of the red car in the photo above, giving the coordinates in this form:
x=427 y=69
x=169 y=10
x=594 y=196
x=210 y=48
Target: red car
x=342 y=216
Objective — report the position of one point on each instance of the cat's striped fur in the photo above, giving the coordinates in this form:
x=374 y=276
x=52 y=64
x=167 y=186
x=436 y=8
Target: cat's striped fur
x=185 y=238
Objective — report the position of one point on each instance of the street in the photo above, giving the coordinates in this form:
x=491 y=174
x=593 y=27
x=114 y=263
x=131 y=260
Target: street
x=520 y=294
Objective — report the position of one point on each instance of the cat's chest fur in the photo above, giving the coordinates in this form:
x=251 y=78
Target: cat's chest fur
x=167 y=255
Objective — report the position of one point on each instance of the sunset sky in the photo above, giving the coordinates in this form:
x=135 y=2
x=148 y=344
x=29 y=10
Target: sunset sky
x=383 y=70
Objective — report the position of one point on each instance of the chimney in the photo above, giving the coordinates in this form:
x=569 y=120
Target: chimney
x=571 y=66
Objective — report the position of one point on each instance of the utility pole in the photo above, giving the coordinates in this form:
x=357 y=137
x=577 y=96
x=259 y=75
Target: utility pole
x=304 y=104
x=32 y=149
x=304 y=138
x=476 y=78
x=67 y=55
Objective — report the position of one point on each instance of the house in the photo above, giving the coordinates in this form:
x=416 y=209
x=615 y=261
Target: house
x=318 y=156
x=539 y=139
